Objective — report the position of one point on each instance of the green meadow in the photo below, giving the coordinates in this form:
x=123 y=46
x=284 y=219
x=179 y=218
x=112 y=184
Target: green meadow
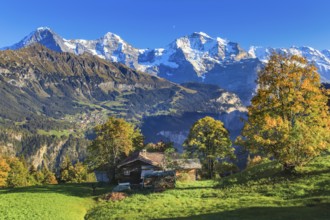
x=260 y=192
x=67 y=201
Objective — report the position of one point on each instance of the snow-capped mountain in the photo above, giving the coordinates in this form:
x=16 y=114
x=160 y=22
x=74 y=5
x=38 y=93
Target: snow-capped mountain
x=110 y=46
x=202 y=51
x=320 y=58
x=44 y=36
x=201 y=58
x=326 y=53
x=196 y=57
x=199 y=49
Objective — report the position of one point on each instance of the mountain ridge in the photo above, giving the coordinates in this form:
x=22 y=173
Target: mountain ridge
x=192 y=58
x=115 y=49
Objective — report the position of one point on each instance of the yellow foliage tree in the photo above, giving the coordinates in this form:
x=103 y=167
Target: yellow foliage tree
x=288 y=117
x=209 y=140
x=114 y=140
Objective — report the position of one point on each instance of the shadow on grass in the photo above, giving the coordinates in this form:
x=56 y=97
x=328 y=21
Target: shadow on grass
x=266 y=174
x=319 y=211
x=72 y=189
x=195 y=187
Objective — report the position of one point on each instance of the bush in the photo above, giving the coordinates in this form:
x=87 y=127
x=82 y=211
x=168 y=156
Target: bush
x=115 y=196
x=70 y=173
x=91 y=177
x=226 y=168
x=49 y=177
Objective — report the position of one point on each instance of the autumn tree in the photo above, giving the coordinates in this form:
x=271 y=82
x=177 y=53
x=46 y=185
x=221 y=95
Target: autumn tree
x=4 y=170
x=70 y=173
x=115 y=139
x=18 y=174
x=66 y=170
x=35 y=176
x=288 y=117
x=160 y=146
x=48 y=176
x=80 y=173
x=209 y=140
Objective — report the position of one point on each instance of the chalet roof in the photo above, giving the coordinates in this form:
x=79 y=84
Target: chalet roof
x=187 y=163
x=158 y=159
x=152 y=158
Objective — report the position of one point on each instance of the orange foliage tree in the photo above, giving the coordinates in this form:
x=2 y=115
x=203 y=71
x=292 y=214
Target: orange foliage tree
x=4 y=169
x=288 y=117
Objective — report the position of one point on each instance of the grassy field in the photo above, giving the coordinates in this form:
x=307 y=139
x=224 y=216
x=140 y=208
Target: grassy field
x=65 y=133
x=261 y=192
x=69 y=201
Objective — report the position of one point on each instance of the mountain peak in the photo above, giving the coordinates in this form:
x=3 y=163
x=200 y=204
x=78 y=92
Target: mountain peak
x=202 y=34
x=43 y=29
x=112 y=36
x=221 y=40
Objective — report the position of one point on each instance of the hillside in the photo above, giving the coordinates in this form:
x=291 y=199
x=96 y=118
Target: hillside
x=50 y=101
x=260 y=192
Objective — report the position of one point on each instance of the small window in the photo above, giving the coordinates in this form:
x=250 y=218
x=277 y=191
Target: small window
x=126 y=172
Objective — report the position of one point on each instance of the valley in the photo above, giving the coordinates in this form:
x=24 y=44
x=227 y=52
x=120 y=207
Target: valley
x=55 y=99
x=164 y=110
x=59 y=90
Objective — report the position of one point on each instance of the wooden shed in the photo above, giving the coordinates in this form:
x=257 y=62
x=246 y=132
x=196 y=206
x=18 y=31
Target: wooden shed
x=188 y=167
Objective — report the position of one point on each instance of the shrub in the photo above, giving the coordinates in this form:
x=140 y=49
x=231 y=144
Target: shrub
x=115 y=196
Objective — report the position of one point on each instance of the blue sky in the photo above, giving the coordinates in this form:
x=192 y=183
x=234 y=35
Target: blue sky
x=155 y=23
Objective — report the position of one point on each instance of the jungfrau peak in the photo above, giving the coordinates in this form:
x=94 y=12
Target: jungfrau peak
x=204 y=52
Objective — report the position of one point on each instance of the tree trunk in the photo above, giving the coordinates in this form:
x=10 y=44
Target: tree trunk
x=210 y=168
x=112 y=176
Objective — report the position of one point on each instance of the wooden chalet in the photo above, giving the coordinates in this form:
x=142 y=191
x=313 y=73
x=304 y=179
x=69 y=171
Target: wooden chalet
x=135 y=168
